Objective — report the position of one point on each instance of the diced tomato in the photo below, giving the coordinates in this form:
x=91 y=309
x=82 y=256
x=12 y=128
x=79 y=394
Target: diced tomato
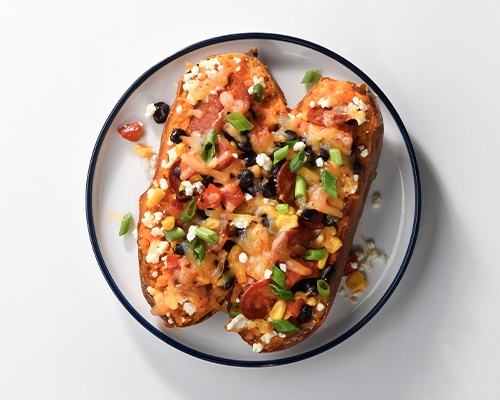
x=173 y=261
x=186 y=171
x=210 y=198
x=132 y=131
x=232 y=196
x=174 y=208
x=294 y=307
x=257 y=301
x=291 y=278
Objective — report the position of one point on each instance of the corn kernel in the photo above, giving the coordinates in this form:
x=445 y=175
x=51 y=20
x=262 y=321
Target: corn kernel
x=309 y=175
x=332 y=244
x=285 y=221
x=155 y=198
x=264 y=326
x=143 y=151
x=278 y=310
x=168 y=223
x=311 y=301
x=256 y=170
x=299 y=294
x=322 y=262
x=356 y=282
x=212 y=223
x=179 y=149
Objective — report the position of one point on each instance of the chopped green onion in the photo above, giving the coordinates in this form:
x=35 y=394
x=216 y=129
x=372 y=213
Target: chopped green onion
x=257 y=91
x=125 y=224
x=207 y=235
x=239 y=122
x=173 y=234
x=311 y=76
x=208 y=149
x=277 y=275
x=300 y=187
x=374 y=175
x=336 y=156
x=323 y=288
x=280 y=154
x=314 y=254
x=282 y=208
x=329 y=183
x=199 y=251
x=189 y=211
x=298 y=161
x=283 y=294
x=284 y=326
x=234 y=310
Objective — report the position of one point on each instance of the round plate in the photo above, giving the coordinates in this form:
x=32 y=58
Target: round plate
x=116 y=179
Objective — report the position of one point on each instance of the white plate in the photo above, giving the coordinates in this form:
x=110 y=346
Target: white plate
x=116 y=180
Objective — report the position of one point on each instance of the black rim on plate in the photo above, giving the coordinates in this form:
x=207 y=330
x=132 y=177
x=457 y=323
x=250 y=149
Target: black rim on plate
x=137 y=315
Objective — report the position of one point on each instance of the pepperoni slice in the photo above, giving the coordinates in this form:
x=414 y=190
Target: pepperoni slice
x=285 y=183
x=239 y=92
x=208 y=115
x=328 y=117
x=257 y=301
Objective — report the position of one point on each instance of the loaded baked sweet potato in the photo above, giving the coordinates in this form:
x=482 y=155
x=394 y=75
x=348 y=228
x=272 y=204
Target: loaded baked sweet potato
x=253 y=206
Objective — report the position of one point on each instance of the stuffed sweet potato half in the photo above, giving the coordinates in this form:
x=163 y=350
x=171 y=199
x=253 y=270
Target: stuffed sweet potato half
x=253 y=206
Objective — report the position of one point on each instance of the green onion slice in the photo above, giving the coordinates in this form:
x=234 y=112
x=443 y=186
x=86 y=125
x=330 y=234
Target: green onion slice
x=283 y=294
x=280 y=154
x=300 y=187
x=284 y=326
x=199 y=251
x=189 y=211
x=291 y=142
x=173 y=234
x=298 y=161
x=257 y=91
x=323 y=288
x=239 y=121
x=207 y=235
x=282 y=208
x=125 y=224
x=329 y=183
x=234 y=310
x=311 y=76
x=277 y=275
x=208 y=149
x=336 y=156
x=313 y=254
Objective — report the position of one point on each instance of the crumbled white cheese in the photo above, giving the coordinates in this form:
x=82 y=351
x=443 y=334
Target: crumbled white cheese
x=164 y=164
x=149 y=220
x=237 y=60
x=256 y=81
x=150 y=110
x=172 y=156
x=283 y=267
x=299 y=146
x=178 y=109
x=357 y=110
x=156 y=249
x=191 y=233
x=320 y=306
x=237 y=323
x=364 y=153
x=320 y=162
x=149 y=164
x=156 y=231
x=257 y=347
x=267 y=273
x=248 y=197
x=163 y=184
x=154 y=274
x=266 y=337
x=312 y=104
x=243 y=257
x=324 y=102
x=189 y=308
x=264 y=161
x=241 y=221
x=192 y=188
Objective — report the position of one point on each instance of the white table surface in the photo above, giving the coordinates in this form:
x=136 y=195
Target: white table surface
x=64 y=65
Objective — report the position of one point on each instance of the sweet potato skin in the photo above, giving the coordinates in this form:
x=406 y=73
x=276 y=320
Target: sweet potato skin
x=364 y=142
